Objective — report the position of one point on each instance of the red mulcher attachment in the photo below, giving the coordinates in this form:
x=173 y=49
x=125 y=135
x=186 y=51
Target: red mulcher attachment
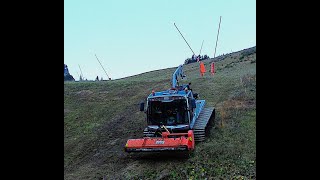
x=168 y=142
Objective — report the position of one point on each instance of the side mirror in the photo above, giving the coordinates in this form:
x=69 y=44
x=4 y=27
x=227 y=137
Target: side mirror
x=196 y=95
x=142 y=106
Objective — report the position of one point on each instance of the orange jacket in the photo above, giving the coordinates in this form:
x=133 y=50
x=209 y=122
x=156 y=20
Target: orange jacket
x=202 y=68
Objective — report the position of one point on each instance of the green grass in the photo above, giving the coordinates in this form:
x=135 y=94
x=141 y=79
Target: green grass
x=101 y=116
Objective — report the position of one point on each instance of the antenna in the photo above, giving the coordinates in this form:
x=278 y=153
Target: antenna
x=217 y=40
x=78 y=74
x=80 y=71
x=201 y=46
x=102 y=67
x=183 y=37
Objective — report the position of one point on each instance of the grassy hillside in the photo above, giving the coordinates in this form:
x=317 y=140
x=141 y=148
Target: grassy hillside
x=99 y=117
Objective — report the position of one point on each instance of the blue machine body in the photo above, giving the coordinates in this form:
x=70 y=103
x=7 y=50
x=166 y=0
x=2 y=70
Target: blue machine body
x=177 y=97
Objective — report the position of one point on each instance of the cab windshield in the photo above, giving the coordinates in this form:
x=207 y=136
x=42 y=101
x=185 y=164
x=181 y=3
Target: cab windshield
x=167 y=113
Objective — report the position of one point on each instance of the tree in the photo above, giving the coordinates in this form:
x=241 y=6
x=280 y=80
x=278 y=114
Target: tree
x=68 y=78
